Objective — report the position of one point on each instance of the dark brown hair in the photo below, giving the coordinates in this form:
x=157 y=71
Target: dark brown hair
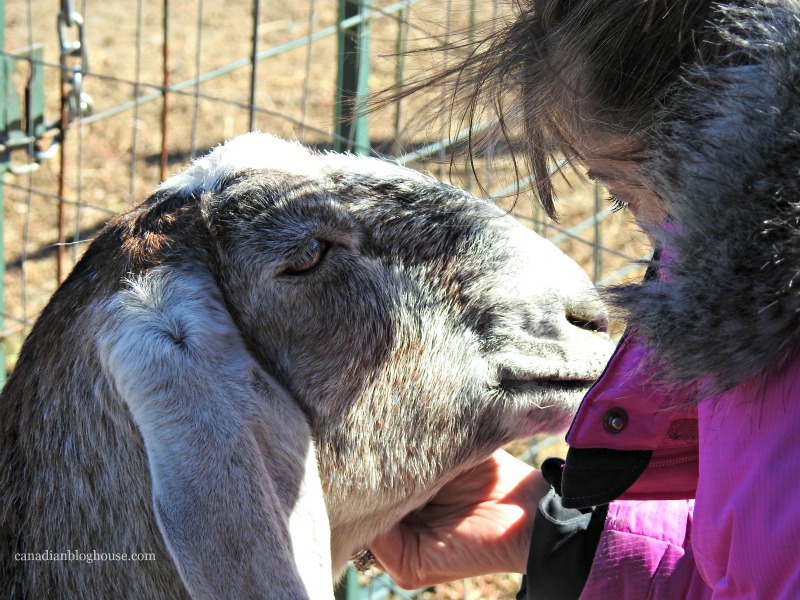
x=563 y=72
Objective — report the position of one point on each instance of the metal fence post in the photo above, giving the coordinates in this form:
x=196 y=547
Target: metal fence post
x=5 y=164
x=352 y=133
x=348 y=587
x=352 y=83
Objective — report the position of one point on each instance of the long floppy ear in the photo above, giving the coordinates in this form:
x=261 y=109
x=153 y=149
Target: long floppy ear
x=236 y=491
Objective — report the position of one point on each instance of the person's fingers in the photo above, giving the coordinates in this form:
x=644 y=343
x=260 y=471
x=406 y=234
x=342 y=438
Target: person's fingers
x=388 y=545
x=397 y=552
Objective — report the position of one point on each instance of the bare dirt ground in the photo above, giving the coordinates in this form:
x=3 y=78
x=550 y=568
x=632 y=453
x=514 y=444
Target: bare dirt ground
x=112 y=158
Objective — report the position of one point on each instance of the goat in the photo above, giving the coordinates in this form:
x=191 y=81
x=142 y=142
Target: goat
x=269 y=361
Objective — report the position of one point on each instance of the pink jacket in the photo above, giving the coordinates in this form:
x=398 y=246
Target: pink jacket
x=738 y=454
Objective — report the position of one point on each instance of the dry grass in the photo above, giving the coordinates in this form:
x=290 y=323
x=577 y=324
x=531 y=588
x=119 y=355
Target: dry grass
x=113 y=162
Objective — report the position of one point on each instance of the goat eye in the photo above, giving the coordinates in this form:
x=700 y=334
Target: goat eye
x=312 y=254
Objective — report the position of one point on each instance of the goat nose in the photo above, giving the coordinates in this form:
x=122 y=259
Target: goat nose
x=588 y=318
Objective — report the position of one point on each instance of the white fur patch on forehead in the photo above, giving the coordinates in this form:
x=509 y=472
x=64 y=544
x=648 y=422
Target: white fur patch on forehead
x=257 y=150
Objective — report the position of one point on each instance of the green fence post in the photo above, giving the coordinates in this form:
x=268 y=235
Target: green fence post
x=348 y=587
x=352 y=79
x=5 y=163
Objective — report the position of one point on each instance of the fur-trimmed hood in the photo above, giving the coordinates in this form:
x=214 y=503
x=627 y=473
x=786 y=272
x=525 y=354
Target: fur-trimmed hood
x=727 y=168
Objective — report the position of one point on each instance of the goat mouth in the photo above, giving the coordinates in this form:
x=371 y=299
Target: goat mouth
x=544 y=385
x=518 y=371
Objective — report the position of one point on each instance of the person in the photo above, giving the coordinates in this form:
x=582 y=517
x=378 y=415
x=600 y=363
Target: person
x=682 y=479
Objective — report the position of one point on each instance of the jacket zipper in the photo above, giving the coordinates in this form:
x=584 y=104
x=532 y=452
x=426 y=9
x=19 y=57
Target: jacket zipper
x=672 y=462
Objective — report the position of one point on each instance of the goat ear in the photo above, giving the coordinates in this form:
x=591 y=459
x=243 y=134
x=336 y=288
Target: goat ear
x=236 y=492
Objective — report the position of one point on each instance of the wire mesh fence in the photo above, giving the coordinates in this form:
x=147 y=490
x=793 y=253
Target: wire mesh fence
x=103 y=100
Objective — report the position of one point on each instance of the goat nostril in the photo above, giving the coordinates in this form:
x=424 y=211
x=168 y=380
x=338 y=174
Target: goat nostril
x=598 y=323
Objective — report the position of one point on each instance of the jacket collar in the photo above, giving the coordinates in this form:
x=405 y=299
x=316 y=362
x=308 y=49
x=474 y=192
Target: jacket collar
x=725 y=166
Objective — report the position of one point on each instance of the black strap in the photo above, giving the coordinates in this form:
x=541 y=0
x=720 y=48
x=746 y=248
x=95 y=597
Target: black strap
x=563 y=545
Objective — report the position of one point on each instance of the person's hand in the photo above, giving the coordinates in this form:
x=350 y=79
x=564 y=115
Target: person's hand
x=479 y=523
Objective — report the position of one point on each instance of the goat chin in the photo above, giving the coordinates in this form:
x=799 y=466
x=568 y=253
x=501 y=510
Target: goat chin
x=275 y=356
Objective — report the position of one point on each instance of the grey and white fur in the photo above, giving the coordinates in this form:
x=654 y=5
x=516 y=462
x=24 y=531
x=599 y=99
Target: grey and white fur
x=275 y=357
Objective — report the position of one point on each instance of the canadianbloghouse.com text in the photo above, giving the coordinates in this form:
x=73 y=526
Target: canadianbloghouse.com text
x=87 y=557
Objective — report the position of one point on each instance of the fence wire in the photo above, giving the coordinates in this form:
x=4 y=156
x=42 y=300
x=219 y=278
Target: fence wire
x=122 y=94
